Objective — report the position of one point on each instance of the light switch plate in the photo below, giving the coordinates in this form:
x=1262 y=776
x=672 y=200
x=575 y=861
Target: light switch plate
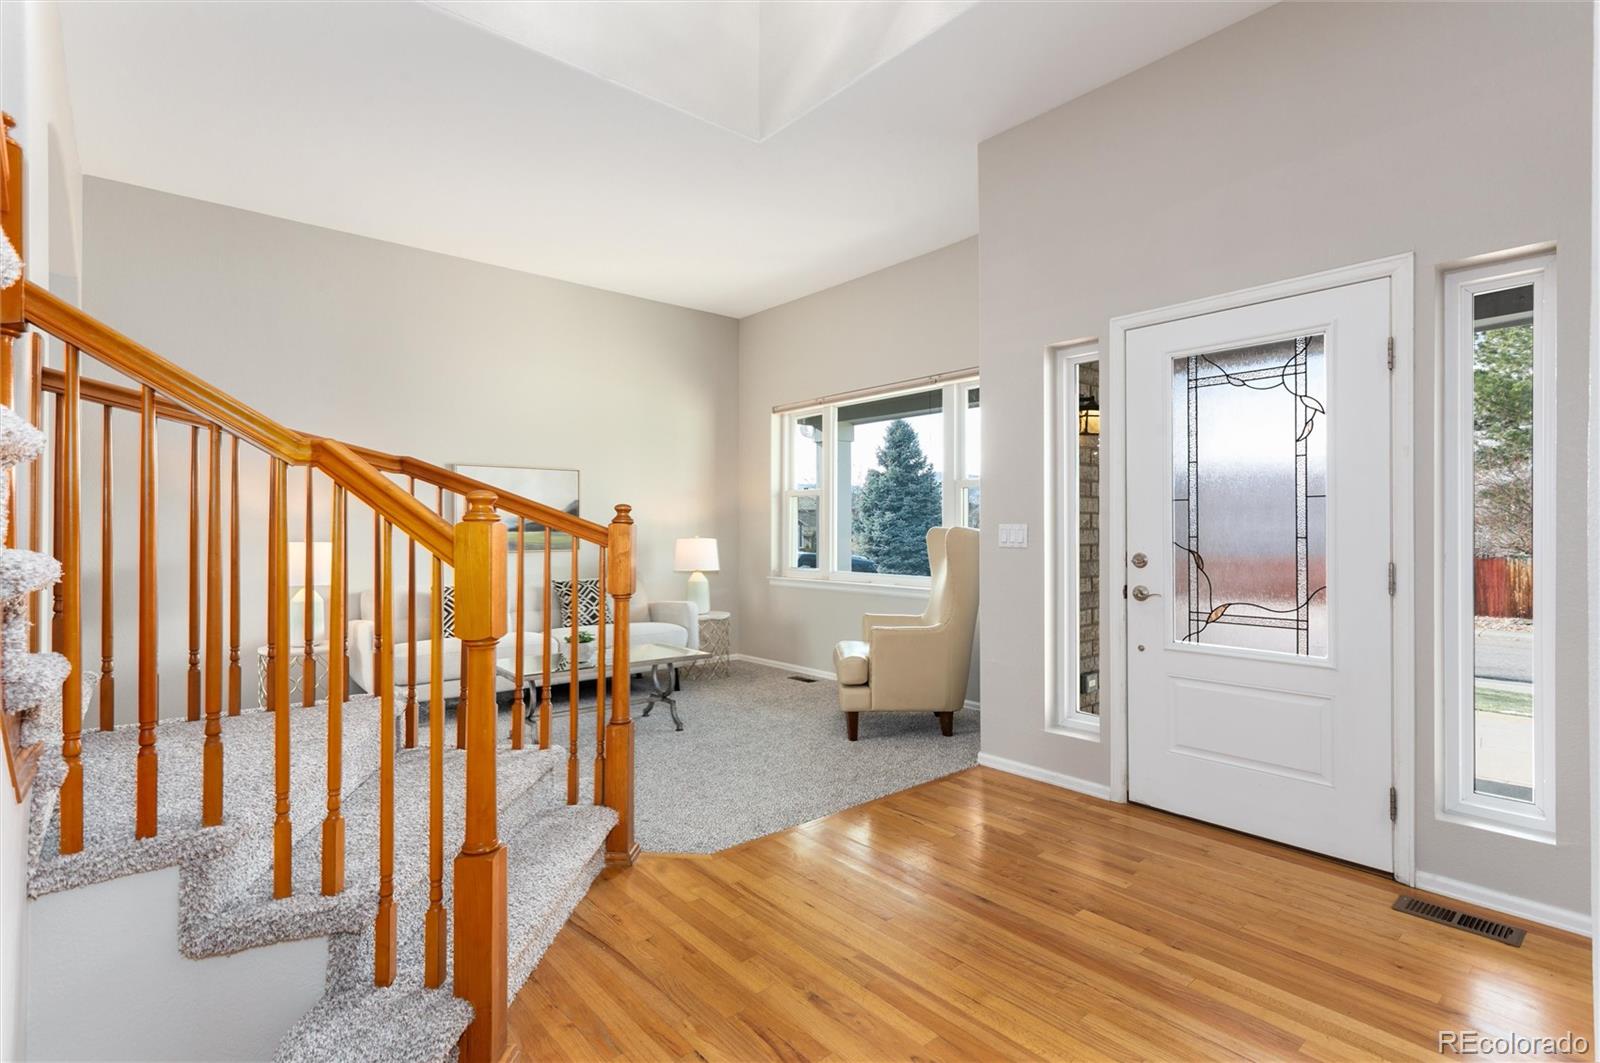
x=1014 y=536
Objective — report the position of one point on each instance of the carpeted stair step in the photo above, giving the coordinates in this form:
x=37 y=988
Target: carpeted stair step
x=25 y=571
x=252 y=917
x=380 y=1026
x=231 y=852
x=19 y=440
x=552 y=859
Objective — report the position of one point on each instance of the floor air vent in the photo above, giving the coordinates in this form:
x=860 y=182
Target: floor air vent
x=802 y=679
x=1474 y=924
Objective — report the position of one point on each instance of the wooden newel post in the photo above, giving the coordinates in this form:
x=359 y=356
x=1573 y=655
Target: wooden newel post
x=480 y=869
x=621 y=849
x=13 y=318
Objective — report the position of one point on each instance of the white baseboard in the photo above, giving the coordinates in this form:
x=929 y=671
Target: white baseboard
x=1510 y=904
x=1054 y=778
x=785 y=666
x=818 y=673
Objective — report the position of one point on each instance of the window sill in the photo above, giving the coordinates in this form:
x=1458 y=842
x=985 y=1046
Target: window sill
x=1086 y=730
x=1540 y=831
x=890 y=590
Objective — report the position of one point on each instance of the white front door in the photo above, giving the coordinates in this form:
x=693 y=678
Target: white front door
x=1259 y=619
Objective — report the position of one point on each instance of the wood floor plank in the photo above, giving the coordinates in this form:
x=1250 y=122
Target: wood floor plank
x=983 y=916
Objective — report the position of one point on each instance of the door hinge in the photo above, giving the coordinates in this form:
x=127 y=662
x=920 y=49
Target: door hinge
x=1394 y=805
x=1391 y=352
x=1391 y=579
x=1124 y=590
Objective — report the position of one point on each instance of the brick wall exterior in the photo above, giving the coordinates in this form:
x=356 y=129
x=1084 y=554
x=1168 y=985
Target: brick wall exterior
x=1088 y=550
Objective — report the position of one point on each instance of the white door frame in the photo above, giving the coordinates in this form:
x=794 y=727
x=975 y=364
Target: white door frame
x=1114 y=516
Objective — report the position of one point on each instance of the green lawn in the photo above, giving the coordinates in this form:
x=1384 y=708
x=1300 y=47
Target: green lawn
x=1498 y=699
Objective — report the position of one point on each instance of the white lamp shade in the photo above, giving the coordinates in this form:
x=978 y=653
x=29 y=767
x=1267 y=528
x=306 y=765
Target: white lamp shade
x=695 y=555
x=321 y=564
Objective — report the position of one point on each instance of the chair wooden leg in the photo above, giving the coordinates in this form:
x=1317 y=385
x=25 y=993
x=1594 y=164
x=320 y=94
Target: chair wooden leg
x=852 y=724
x=947 y=723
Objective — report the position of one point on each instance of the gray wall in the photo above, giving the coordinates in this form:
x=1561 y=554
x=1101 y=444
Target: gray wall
x=1306 y=137
x=909 y=320
x=407 y=351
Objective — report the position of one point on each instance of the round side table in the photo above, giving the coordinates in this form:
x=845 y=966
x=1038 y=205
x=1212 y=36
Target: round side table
x=716 y=638
x=297 y=657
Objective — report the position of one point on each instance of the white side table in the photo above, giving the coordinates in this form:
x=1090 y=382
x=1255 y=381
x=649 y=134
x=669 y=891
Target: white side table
x=297 y=657
x=716 y=638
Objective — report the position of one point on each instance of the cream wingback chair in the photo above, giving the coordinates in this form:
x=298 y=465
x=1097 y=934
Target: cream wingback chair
x=917 y=663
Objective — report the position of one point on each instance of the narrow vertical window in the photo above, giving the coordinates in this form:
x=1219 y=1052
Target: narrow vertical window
x=971 y=455
x=1499 y=353
x=1078 y=399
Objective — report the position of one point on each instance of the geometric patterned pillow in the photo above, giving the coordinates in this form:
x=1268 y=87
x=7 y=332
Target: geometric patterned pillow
x=447 y=610
x=588 y=602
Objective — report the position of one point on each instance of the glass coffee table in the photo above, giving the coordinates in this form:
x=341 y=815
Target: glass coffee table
x=659 y=662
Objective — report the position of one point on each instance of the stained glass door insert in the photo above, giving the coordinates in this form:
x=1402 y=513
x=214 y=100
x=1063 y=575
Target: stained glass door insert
x=1249 y=498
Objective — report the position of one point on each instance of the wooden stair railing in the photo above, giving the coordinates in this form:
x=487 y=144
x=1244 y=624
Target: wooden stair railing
x=473 y=548
x=613 y=754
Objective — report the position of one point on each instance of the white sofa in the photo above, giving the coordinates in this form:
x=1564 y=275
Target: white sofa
x=661 y=623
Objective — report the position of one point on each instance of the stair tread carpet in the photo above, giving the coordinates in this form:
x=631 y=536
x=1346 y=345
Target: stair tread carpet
x=25 y=571
x=552 y=859
x=215 y=924
x=109 y=769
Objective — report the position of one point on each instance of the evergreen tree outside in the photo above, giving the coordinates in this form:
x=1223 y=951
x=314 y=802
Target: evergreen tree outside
x=899 y=503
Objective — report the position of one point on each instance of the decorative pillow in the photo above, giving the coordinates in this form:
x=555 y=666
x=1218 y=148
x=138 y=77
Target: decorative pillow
x=588 y=603
x=447 y=612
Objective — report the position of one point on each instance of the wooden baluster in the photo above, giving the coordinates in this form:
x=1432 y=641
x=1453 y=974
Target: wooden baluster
x=549 y=635
x=35 y=480
x=434 y=924
x=149 y=622
x=57 y=518
x=620 y=846
x=385 y=953
x=308 y=663
x=278 y=669
x=108 y=684
x=600 y=687
x=379 y=646
x=235 y=673
x=411 y=634
x=574 y=648
x=516 y=697
x=194 y=574
x=333 y=823
x=8 y=382
x=71 y=644
x=211 y=764
x=480 y=869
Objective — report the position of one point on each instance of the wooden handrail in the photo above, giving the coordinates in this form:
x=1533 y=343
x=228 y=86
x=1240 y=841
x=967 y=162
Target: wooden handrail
x=450 y=480
x=184 y=395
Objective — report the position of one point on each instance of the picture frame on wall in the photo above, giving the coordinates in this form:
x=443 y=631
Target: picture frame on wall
x=556 y=488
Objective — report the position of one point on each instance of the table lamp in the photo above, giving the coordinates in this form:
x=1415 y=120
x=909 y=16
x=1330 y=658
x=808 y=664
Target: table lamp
x=697 y=556
x=321 y=576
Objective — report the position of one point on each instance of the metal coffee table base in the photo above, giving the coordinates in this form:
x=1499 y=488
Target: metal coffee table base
x=661 y=690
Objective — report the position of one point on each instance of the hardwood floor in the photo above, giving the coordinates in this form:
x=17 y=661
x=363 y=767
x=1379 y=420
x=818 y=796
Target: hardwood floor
x=984 y=916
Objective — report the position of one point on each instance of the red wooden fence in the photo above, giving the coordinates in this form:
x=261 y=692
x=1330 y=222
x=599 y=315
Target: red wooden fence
x=1503 y=586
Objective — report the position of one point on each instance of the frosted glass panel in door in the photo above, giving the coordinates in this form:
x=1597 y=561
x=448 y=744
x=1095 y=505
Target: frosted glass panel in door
x=1249 y=498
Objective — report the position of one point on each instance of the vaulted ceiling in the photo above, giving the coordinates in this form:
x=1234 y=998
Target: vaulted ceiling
x=725 y=156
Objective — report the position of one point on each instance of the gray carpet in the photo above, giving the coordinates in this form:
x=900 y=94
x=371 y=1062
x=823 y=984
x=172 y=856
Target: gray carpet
x=760 y=752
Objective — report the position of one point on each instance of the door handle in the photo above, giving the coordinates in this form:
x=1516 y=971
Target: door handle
x=1142 y=593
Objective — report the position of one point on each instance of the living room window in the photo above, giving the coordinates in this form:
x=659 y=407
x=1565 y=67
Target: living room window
x=1498 y=466
x=863 y=478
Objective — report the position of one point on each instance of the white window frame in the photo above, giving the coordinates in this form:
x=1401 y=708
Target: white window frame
x=1068 y=716
x=953 y=483
x=1462 y=802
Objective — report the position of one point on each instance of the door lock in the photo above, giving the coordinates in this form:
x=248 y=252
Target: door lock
x=1142 y=593
x=1139 y=560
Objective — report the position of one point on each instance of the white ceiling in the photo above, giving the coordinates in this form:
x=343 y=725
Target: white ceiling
x=727 y=157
